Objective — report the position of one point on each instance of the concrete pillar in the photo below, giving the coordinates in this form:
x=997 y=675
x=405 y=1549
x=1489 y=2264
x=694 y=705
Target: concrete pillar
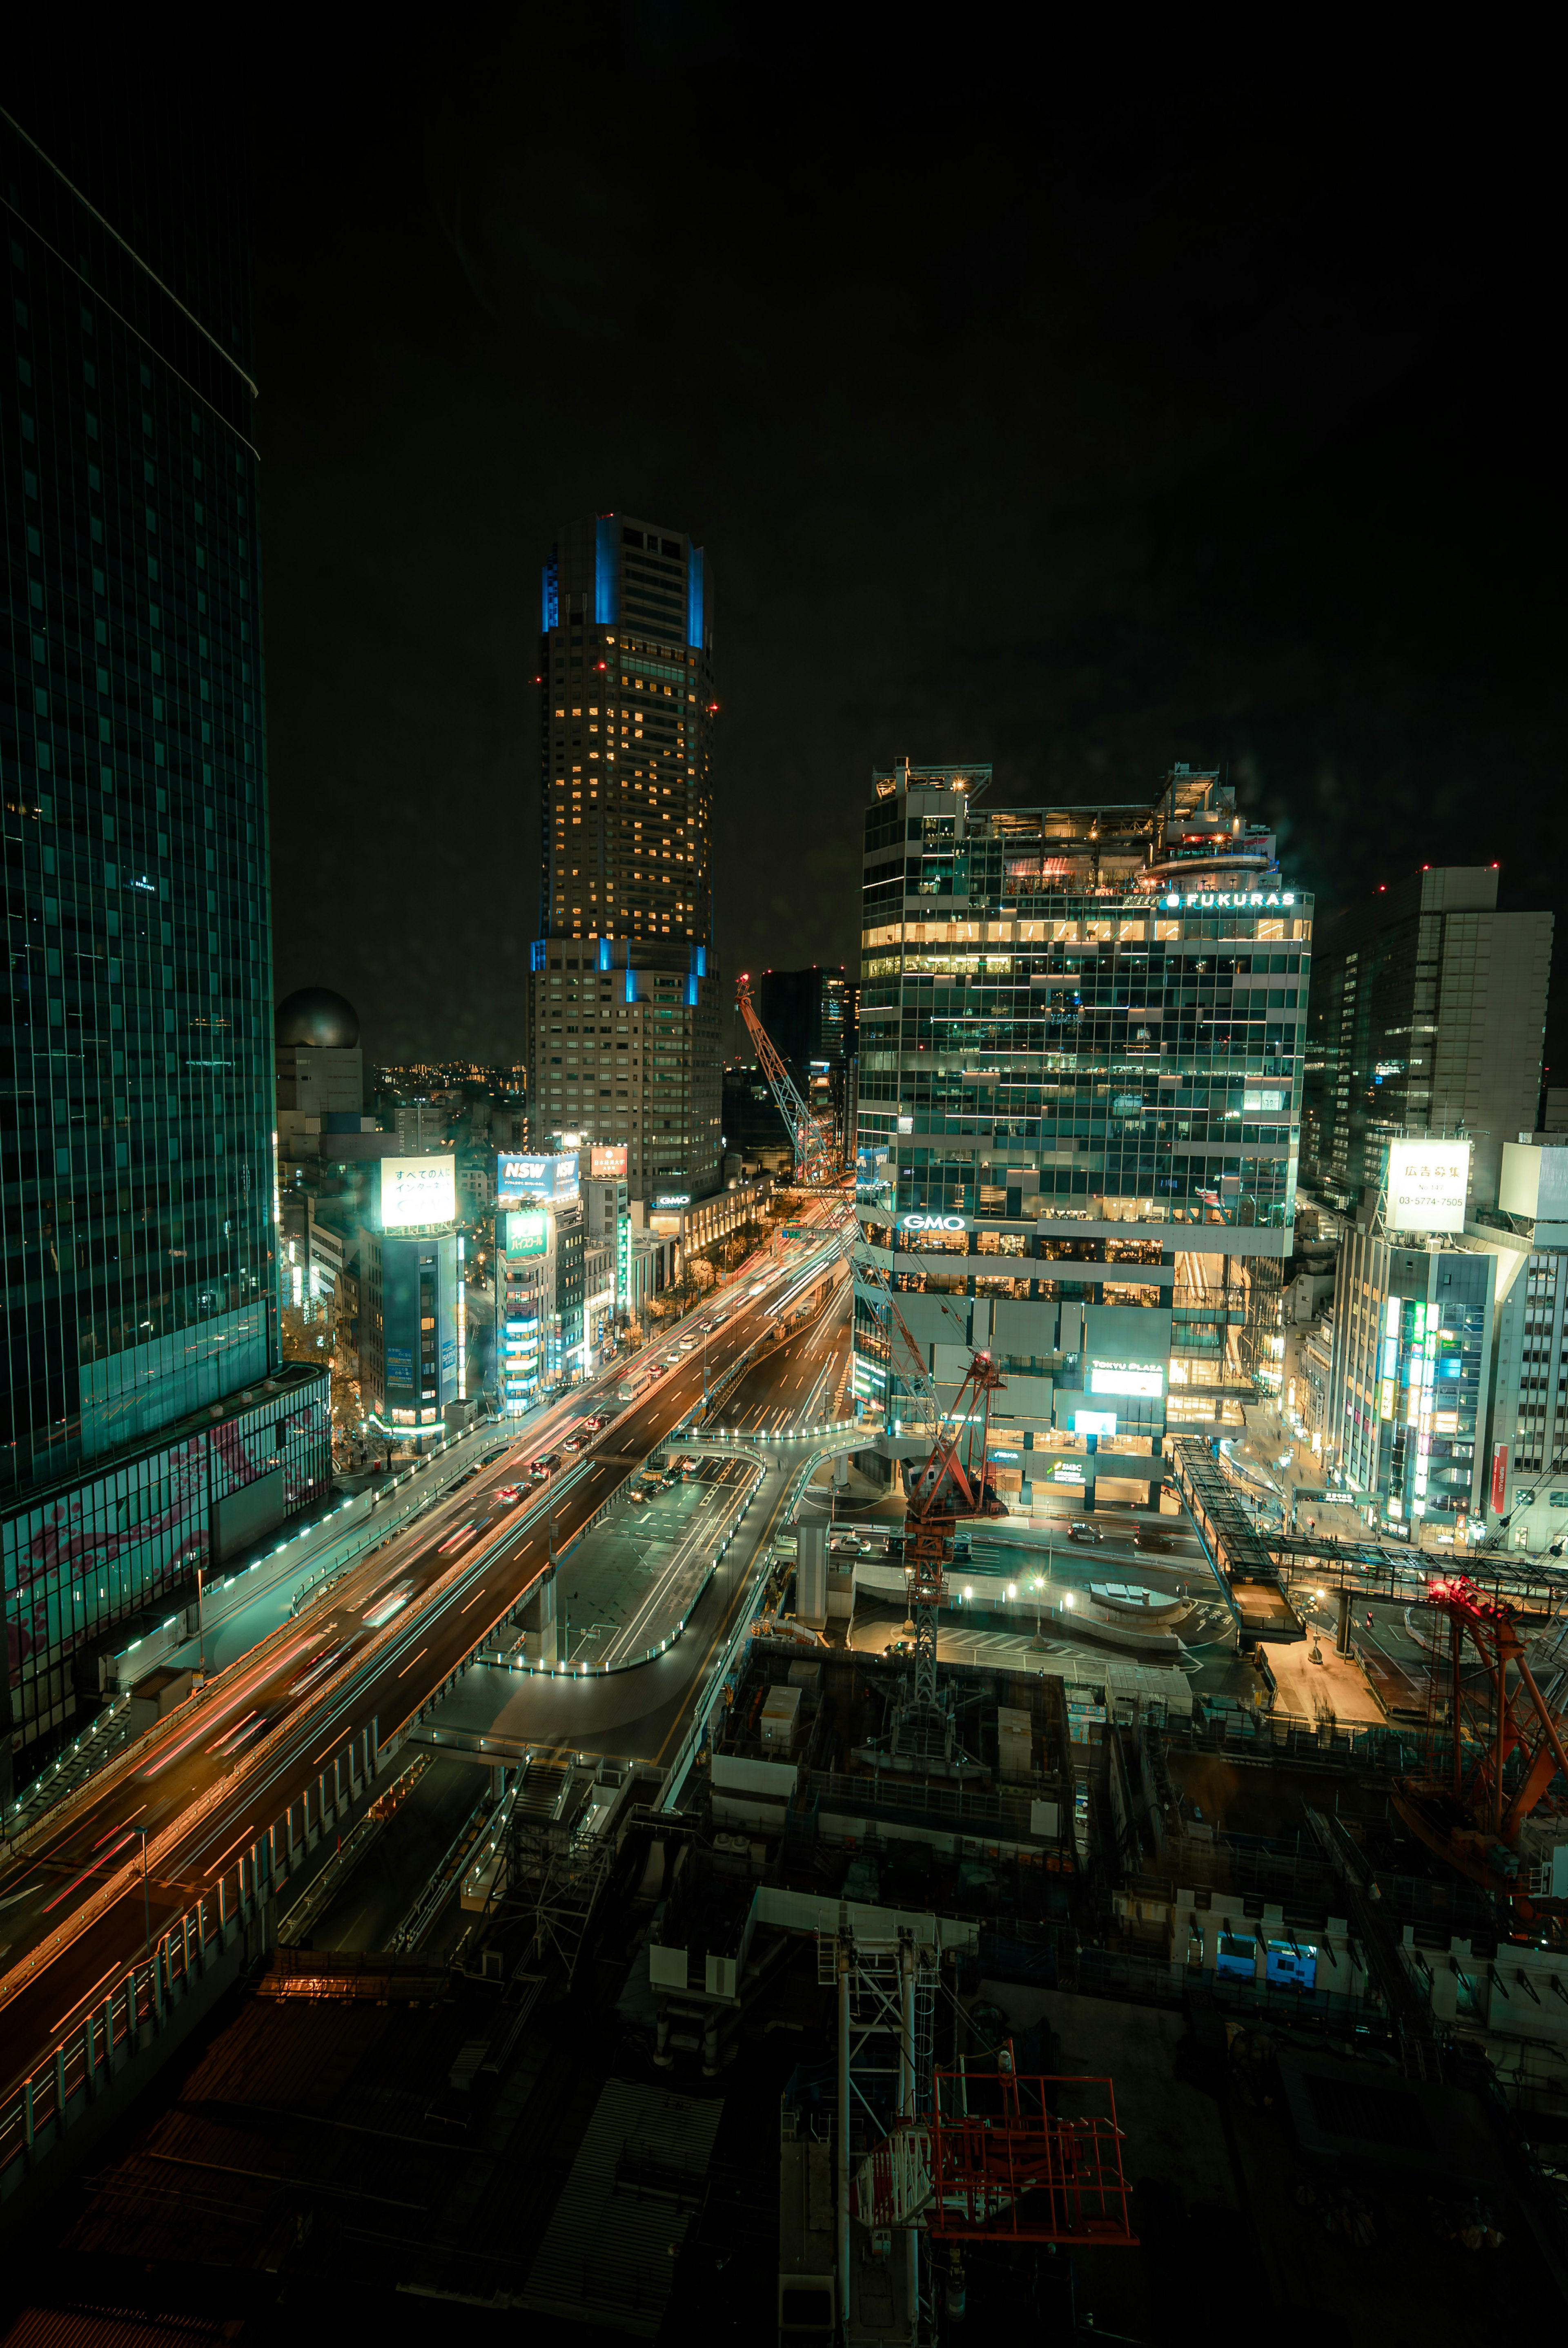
x=27 y=2113
x=549 y=1645
x=60 y=2089
x=90 y=2053
x=811 y=1575
x=1342 y=1635
x=108 y=2036
x=1091 y=1447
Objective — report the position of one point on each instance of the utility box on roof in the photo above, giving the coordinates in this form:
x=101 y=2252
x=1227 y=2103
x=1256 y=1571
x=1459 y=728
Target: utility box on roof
x=780 y=1722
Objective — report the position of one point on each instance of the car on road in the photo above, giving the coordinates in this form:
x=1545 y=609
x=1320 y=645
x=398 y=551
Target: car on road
x=688 y=1345
x=670 y=1361
x=574 y=1443
x=1080 y=1532
x=509 y=1495
x=391 y=1601
x=1152 y=1540
x=596 y=1425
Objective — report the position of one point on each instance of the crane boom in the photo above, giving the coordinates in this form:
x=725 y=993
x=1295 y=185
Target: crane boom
x=816 y=1156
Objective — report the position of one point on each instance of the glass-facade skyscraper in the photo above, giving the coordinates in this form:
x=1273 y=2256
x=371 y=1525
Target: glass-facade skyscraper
x=1079 y=1095
x=624 y=1009
x=140 y=1359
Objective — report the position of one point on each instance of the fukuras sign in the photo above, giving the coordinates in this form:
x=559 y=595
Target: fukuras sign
x=1232 y=900
x=1427 y=1183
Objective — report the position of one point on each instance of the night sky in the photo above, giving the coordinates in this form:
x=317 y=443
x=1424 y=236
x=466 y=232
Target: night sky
x=1080 y=402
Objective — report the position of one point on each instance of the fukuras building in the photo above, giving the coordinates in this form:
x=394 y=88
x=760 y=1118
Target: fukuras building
x=1080 y=1035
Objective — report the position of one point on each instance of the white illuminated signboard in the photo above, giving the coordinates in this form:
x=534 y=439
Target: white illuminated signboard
x=1226 y=900
x=1094 y=1422
x=1427 y=1183
x=417 y=1191
x=1125 y=1378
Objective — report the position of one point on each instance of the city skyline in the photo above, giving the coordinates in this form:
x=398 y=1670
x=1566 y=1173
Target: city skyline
x=1147 y=513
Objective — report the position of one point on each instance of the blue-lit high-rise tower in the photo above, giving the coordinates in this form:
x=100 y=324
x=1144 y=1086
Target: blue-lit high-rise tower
x=149 y=1426
x=624 y=1015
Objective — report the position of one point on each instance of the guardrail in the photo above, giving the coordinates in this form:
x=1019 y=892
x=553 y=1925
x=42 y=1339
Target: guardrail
x=104 y=2035
x=724 y=1670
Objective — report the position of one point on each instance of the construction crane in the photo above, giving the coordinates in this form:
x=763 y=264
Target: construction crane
x=818 y=1160
x=1504 y=1741
x=952 y=1485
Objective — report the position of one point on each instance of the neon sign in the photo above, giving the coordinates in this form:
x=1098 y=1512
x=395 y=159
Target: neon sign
x=930 y=1222
x=1241 y=899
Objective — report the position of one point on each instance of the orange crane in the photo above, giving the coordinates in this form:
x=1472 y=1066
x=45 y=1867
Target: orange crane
x=952 y=1485
x=817 y=1153
x=1506 y=1739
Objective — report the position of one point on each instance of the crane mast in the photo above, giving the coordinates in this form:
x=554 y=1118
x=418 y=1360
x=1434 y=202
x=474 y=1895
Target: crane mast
x=816 y=1155
x=952 y=1483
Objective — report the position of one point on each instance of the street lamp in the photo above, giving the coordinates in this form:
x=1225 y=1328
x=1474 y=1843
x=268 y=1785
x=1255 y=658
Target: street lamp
x=146 y=1897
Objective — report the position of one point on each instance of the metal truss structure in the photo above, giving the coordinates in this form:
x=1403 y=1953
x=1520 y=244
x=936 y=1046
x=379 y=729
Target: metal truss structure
x=559 y=1857
x=996 y=2161
x=816 y=1154
x=1503 y=1741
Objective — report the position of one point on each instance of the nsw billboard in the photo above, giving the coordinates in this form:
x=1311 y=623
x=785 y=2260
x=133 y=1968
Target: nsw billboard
x=519 y=1175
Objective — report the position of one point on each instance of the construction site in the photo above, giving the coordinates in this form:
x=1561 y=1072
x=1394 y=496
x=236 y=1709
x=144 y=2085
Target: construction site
x=1002 y=1945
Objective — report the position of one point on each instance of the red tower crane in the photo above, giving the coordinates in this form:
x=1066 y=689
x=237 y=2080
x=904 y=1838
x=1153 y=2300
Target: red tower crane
x=1506 y=1741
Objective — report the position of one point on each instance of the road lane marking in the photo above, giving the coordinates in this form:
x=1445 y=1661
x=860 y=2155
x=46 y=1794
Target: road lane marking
x=408 y=1666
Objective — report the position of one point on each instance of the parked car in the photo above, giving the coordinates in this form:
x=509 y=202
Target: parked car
x=1082 y=1532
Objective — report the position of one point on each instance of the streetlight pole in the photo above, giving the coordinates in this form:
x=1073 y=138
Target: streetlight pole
x=200 y=1628
x=146 y=1896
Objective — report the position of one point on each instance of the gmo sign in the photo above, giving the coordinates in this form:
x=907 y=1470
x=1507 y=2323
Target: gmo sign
x=930 y=1222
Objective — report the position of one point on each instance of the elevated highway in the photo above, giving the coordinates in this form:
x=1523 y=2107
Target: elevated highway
x=230 y=1794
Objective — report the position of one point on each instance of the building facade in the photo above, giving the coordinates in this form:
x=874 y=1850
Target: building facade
x=1526 y=1456
x=138 y=1081
x=1410 y=1389
x=1080 y=1075
x=1427 y=1014
x=624 y=1015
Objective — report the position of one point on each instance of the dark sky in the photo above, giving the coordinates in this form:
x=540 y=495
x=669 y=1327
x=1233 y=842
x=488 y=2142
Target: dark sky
x=1079 y=402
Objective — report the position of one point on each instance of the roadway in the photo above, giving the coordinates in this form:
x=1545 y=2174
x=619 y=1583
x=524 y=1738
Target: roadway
x=796 y=1386
x=377 y=1645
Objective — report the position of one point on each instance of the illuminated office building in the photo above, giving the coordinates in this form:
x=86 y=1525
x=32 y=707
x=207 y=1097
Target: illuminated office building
x=540 y=1273
x=624 y=995
x=142 y=1384
x=1079 y=1082
x=1427 y=1014
x=413 y=1332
